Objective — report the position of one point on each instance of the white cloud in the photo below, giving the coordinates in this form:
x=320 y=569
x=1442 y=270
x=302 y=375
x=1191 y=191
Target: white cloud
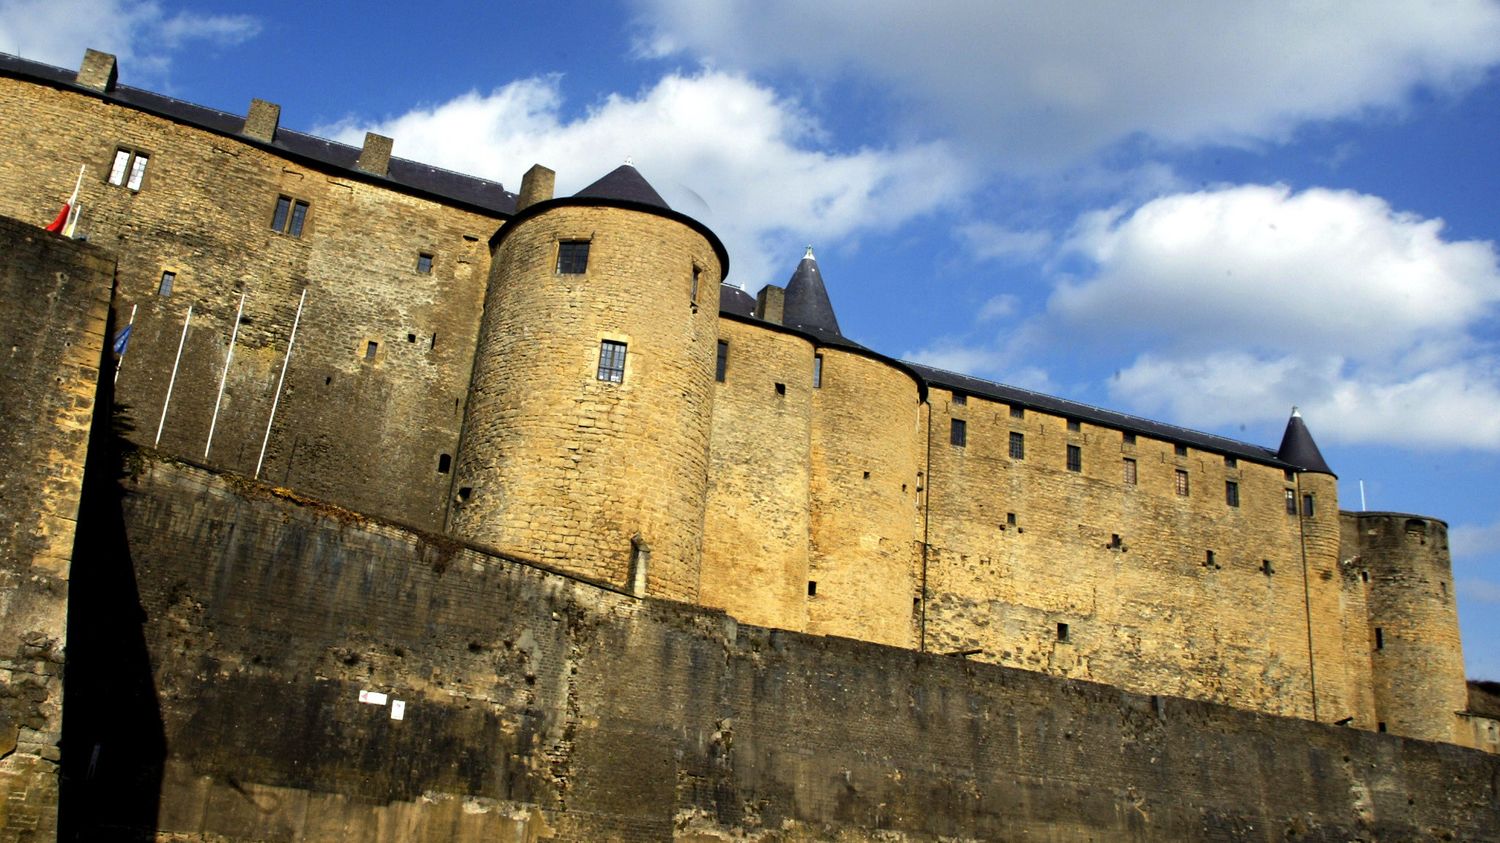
x=1470 y=541
x=1048 y=83
x=989 y=241
x=138 y=32
x=717 y=146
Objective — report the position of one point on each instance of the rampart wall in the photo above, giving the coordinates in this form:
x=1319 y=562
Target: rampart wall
x=537 y=706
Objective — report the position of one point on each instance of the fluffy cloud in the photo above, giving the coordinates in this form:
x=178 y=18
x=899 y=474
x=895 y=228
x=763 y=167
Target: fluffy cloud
x=1253 y=298
x=138 y=32
x=716 y=145
x=1048 y=83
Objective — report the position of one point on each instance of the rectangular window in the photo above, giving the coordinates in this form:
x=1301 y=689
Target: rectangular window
x=958 y=433
x=1130 y=477
x=1018 y=446
x=1231 y=493
x=1288 y=474
x=1062 y=632
x=721 y=364
x=572 y=257
x=1127 y=438
x=611 y=361
x=164 y=289
x=817 y=371
x=1017 y=412
x=424 y=263
x=129 y=168
x=1182 y=482
x=1379 y=638
x=1291 y=502
x=371 y=348
x=693 y=293
x=1307 y=505
x=289 y=217
x=960 y=398
x=1074 y=426
x=1181 y=450
x=1075 y=458
x=1231 y=462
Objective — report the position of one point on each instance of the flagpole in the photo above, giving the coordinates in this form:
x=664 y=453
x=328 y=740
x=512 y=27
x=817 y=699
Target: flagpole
x=277 y=400
x=71 y=225
x=173 y=382
x=224 y=378
x=121 y=361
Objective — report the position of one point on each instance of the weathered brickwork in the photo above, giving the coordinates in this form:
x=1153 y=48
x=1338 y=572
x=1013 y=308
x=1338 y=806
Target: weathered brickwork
x=539 y=707
x=562 y=464
x=756 y=528
x=366 y=426
x=53 y=348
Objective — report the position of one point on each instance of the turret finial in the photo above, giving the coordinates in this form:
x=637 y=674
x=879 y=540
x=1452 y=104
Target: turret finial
x=809 y=253
x=1296 y=413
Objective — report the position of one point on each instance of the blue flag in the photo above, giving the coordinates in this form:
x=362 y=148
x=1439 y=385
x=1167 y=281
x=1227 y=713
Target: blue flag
x=122 y=339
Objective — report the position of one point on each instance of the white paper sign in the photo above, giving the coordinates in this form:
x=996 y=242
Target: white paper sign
x=372 y=697
x=398 y=710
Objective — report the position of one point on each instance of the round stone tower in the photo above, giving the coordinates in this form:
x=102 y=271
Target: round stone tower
x=1416 y=659
x=585 y=440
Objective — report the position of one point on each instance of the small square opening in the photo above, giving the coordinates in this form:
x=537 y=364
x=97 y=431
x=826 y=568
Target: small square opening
x=780 y=389
x=812 y=588
x=1062 y=632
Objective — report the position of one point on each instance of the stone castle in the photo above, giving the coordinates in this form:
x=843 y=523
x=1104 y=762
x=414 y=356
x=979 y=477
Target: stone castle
x=529 y=464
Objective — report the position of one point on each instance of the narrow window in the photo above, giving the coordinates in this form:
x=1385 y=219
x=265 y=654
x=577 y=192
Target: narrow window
x=1208 y=559
x=1181 y=450
x=721 y=364
x=289 y=217
x=817 y=371
x=1288 y=474
x=1182 y=482
x=1265 y=567
x=1017 y=412
x=958 y=433
x=960 y=398
x=1062 y=632
x=1379 y=638
x=411 y=338
x=611 y=361
x=1115 y=542
x=1010 y=519
x=299 y=216
x=444 y=463
x=371 y=348
x=1127 y=438
x=1307 y=505
x=1130 y=476
x=1364 y=576
x=572 y=257
x=693 y=293
x=129 y=168
x=1231 y=493
x=164 y=289
x=283 y=209
x=812 y=588
x=137 y=171
x=1074 y=426
x=1380 y=727
x=1291 y=502
x=424 y=263
x=120 y=167
x=1075 y=458
x=1231 y=462
x=1017 y=446
x=780 y=389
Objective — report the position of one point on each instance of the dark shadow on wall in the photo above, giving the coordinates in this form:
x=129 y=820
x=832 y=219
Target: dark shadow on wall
x=113 y=742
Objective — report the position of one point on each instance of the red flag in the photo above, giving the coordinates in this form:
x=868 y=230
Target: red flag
x=56 y=226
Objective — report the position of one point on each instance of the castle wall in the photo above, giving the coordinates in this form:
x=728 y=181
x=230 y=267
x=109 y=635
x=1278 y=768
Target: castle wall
x=568 y=468
x=1414 y=647
x=367 y=427
x=53 y=349
x=866 y=464
x=1125 y=566
x=756 y=529
x=539 y=707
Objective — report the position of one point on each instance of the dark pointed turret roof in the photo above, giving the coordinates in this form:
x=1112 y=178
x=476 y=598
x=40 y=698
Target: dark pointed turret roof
x=626 y=184
x=1298 y=447
x=807 y=305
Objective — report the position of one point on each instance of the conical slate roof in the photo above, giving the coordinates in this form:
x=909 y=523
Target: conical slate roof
x=1298 y=447
x=624 y=183
x=807 y=305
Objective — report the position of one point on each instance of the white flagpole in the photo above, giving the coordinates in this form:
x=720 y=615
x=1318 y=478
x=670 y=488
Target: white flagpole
x=71 y=225
x=173 y=382
x=121 y=361
x=277 y=400
x=224 y=378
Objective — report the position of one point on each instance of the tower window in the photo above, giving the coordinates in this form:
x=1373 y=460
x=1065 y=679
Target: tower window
x=1062 y=632
x=1075 y=458
x=164 y=289
x=289 y=217
x=958 y=433
x=371 y=348
x=1231 y=493
x=1265 y=567
x=424 y=263
x=1182 y=482
x=572 y=257
x=1180 y=450
x=812 y=588
x=1379 y=638
x=1074 y=426
x=960 y=398
x=1017 y=446
x=129 y=168
x=445 y=461
x=1231 y=462
x=817 y=371
x=1130 y=476
x=693 y=293
x=1291 y=502
x=1017 y=412
x=611 y=360
x=721 y=363
x=1127 y=438
x=1307 y=506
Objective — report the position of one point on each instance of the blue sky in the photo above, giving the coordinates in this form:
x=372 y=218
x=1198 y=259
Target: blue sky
x=1203 y=213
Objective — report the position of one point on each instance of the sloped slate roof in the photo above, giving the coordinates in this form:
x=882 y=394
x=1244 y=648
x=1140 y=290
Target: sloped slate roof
x=626 y=184
x=734 y=300
x=1298 y=447
x=480 y=194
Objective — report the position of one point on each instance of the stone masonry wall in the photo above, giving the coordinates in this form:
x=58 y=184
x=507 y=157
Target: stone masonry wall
x=1159 y=592
x=375 y=387
x=536 y=706
x=52 y=333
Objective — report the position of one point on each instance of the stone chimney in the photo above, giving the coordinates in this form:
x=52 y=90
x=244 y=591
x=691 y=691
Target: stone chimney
x=375 y=158
x=262 y=121
x=98 y=71
x=770 y=303
x=536 y=186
